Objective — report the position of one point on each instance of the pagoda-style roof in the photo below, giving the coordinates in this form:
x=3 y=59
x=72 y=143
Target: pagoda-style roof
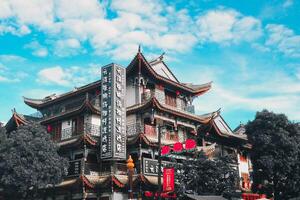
x=89 y=139
x=162 y=69
x=157 y=69
x=154 y=103
x=139 y=63
x=224 y=130
x=39 y=103
x=86 y=105
x=18 y=119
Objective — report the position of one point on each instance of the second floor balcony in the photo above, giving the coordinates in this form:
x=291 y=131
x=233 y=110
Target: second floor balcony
x=73 y=131
x=79 y=167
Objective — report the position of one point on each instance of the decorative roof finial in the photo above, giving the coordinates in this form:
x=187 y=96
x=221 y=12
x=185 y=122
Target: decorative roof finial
x=139 y=50
x=161 y=56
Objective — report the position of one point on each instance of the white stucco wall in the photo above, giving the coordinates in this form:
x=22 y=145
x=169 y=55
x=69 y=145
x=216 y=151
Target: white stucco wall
x=160 y=95
x=95 y=119
x=130 y=95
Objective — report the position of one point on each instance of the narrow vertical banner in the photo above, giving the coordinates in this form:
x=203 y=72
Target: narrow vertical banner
x=113 y=112
x=168 y=179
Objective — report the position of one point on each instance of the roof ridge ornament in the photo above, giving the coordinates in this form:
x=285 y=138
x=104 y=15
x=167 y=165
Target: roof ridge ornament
x=161 y=57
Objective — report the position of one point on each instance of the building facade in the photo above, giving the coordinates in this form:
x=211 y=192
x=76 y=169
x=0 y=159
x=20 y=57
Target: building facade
x=153 y=97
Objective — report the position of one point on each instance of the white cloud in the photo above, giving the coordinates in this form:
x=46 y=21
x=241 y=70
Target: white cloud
x=283 y=39
x=69 y=76
x=82 y=9
x=6 y=74
x=227 y=26
x=33 y=12
x=146 y=7
x=37 y=49
x=180 y=42
x=232 y=100
x=5 y=10
x=11 y=58
x=275 y=91
x=54 y=75
x=67 y=26
x=67 y=47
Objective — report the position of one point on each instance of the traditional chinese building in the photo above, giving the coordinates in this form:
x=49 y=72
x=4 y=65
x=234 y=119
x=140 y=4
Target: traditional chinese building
x=98 y=125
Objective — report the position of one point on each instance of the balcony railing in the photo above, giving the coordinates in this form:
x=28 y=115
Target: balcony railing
x=119 y=169
x=71 y=132
x=91 y=169
x=151 y=131
x=76 y=168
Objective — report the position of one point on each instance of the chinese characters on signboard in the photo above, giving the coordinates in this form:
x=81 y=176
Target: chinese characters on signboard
x=113 y=112
x=151 y=166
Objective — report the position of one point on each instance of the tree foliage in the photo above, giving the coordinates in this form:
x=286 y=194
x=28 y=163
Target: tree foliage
x=275 y=155
x=207 y=176
x=28 y=162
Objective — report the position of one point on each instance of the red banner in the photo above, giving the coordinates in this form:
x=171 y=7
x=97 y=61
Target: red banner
x=168 y=179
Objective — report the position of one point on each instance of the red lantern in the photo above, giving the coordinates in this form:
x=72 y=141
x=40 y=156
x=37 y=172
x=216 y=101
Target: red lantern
x=49 y=128
x=165 y=150
x=190 y=144
x=177 y=93
x=178 y=147
x=148 y=194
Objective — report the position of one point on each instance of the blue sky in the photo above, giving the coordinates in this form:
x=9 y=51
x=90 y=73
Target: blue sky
x=250 y=50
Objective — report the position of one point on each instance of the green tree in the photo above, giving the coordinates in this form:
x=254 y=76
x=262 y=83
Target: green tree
x=28 y=162
x=207 y=176
x=275 y=155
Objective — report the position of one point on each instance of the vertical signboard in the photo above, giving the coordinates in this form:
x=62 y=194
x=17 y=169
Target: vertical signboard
x=168 y=179
x=113 y=112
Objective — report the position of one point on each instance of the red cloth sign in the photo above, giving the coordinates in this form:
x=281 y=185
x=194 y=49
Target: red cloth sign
x=168 y=179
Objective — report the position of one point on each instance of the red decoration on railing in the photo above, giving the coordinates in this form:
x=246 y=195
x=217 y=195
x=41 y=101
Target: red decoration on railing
x=190 y=144
x=165 y=150
x=49 y=128
x=148 y=194
x=178 y=147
